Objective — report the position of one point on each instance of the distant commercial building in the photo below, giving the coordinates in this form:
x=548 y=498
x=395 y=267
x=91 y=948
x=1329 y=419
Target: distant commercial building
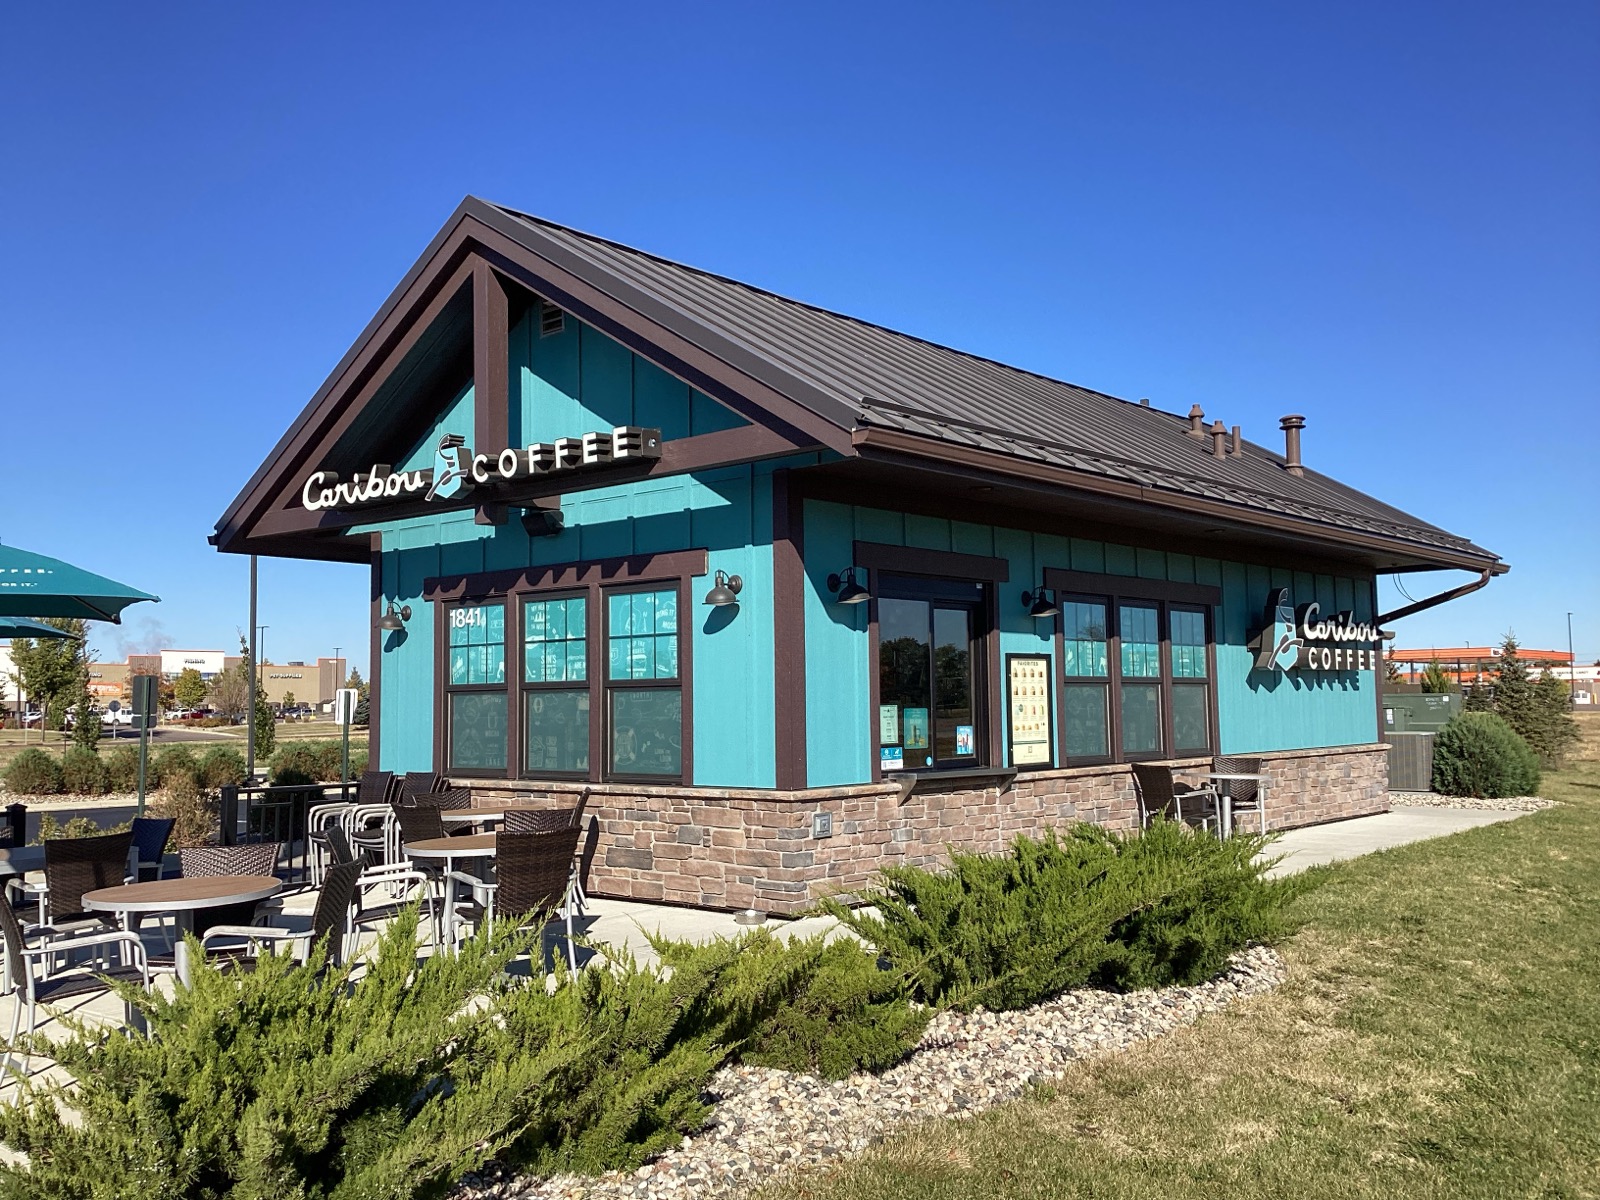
x=308 y=683
x=210 y=663
x=1468 y=665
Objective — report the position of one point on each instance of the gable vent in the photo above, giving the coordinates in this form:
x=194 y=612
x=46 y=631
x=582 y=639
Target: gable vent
x=551 y=320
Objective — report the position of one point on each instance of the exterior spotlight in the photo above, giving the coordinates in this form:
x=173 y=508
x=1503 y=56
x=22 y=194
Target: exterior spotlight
x=1040 y=603
x=392 y=620
x=850 y=592
x=725 y=591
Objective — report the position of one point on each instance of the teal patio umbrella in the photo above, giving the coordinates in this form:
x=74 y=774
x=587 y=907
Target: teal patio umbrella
x=35 y=585
x=21 y=627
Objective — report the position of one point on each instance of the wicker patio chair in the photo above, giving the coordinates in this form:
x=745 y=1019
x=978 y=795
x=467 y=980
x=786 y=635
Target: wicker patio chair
x=73 y=866
x=420 y=783
x=395 y=881
x=1244 y=795
x=30 y=989
x=450 y=798
x=329 y=919
x=533 y=878
x=150 y=837
x=1162 y=796
x=418 y=822
x=537 y=820
x=251 y=858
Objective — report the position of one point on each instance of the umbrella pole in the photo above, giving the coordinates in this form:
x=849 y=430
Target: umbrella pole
x=250 y=721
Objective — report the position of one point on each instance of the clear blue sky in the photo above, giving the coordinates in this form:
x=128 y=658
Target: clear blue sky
x=1386 y=217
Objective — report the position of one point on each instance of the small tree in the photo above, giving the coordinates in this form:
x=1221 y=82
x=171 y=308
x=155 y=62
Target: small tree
x=1391 y=669
x=85 y=721
x=1436 y=680
x=1514 y=701
x=1555 y=732
x=51 y=670
x=190 y=689
x=230 y=691
x=288 y=699
x=355 y=681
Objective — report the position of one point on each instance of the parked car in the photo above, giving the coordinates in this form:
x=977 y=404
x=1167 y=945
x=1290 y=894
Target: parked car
x=180 y=714
x=123 y=717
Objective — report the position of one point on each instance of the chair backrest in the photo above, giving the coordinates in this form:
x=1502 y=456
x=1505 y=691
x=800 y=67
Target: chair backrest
x=16 y=964
x=375 y=787
x=1240 y=791
x=150 y=837
x=419 y=783
x=251 y=858
x=1153 y=783
x=73 y=866
x=577 y=810
x=338 y=845
x=537 y=820
x=418 y=822
x=333 y=906
x=533 y=870
x=456 y=798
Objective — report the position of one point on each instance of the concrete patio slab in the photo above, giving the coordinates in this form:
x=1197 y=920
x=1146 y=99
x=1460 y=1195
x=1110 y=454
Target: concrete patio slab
x=1317 y=844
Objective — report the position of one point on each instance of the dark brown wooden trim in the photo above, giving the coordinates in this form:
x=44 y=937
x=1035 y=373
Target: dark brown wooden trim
x=637 y=568
x=788 y=632
x=375 y=660
x=491 y=359
x=969 y=460
x=706 y=451
x=1131 y=587
x=911 y=560
x=1379 y=670
x=993 y=689
x=840 y=490
x=441 y=685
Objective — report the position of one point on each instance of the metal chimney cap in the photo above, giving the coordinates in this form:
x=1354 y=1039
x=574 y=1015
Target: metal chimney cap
x=1292 y=421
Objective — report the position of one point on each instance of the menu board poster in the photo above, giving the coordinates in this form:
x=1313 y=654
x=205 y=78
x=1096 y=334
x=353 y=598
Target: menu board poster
x=1030 y=709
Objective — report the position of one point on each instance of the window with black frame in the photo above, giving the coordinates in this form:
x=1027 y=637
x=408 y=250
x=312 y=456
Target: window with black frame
x=931 y=713
x=555 y=686
x=1136 y=679
x=644 y=687
x=475 y=693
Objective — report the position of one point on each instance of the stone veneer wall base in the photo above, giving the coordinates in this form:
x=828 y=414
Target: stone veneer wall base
x=734 y=848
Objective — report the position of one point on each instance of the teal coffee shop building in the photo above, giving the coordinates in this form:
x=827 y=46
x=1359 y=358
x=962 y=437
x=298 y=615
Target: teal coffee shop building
x=793 y=596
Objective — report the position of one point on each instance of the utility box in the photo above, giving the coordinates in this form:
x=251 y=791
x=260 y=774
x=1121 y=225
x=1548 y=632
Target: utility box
x=1418 y=712
x=1410 y=762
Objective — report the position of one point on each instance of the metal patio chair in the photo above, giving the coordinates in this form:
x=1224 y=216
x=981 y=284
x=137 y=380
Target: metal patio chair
x=1160 y=795
x=330 y=919
x=396 y=880
x=30 y=988
x=533 y=876
x=1244 y=795
x=150 y=837
x=73 y=866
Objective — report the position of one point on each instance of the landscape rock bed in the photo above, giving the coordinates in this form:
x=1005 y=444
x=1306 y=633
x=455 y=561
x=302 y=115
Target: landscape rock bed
x=1434 y=800
x=768 y=1121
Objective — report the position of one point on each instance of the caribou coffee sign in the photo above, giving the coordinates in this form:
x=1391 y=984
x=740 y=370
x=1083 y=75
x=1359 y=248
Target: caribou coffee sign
x=1300 y=639
x=457 y=470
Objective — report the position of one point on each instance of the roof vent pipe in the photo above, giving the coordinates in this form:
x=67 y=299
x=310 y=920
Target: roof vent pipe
x=1197 y=421
x=1237 y=448
x=1291 y=426
x=1219 y=440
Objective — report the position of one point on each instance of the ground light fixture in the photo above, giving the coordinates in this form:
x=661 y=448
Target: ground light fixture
x=1040 y=603
x=725 y=590
x=393 y=621
x=850 y=592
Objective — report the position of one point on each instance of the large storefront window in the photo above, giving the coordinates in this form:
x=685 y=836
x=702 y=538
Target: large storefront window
x=475 y=697
x=643 y=686
x=555 y=697
x=930 y=695
x=1135 y=679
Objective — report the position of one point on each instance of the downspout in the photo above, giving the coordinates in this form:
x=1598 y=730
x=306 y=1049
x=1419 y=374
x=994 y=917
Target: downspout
x=1456 y=593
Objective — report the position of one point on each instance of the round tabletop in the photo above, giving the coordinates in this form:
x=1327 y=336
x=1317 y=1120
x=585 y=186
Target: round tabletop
x=182 y=895
x=474 y=845
x=20 y=860
x=472 y=816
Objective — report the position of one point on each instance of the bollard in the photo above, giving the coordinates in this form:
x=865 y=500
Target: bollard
x=17 y=814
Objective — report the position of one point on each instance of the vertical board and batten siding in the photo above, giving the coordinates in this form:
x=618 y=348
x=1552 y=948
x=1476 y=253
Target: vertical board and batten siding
x=1256 y=711
x=568 y=384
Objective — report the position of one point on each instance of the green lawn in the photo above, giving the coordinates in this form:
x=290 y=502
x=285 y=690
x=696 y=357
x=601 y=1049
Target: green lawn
x=1439 y=1036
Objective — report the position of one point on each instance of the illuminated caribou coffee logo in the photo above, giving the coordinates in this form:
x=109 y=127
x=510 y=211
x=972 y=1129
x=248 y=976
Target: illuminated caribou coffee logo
x=458 y=470
x=1297 y=640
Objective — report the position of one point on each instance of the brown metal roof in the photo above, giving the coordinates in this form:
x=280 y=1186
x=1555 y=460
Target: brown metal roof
x=863 y=376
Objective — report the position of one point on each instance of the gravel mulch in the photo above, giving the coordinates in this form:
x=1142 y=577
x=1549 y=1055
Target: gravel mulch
x=768 y=1121
x=1433 y=800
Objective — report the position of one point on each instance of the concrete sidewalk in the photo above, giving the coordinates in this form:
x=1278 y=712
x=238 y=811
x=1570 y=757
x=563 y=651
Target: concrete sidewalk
x=1317 y=844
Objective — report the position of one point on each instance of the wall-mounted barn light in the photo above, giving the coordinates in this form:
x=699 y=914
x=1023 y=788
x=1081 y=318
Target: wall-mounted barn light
x=850 y=592
x=392 y=621
x=1040 y=603
x=725 y=590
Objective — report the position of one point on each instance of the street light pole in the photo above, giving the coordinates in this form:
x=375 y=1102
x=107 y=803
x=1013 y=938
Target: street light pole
x=250 y=719
x=1572 y=668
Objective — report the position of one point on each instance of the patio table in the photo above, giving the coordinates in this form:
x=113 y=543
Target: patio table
x=182 y=898
x=1223 y=777
x=472 y=845
x=472 y=816
x=19 y=860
